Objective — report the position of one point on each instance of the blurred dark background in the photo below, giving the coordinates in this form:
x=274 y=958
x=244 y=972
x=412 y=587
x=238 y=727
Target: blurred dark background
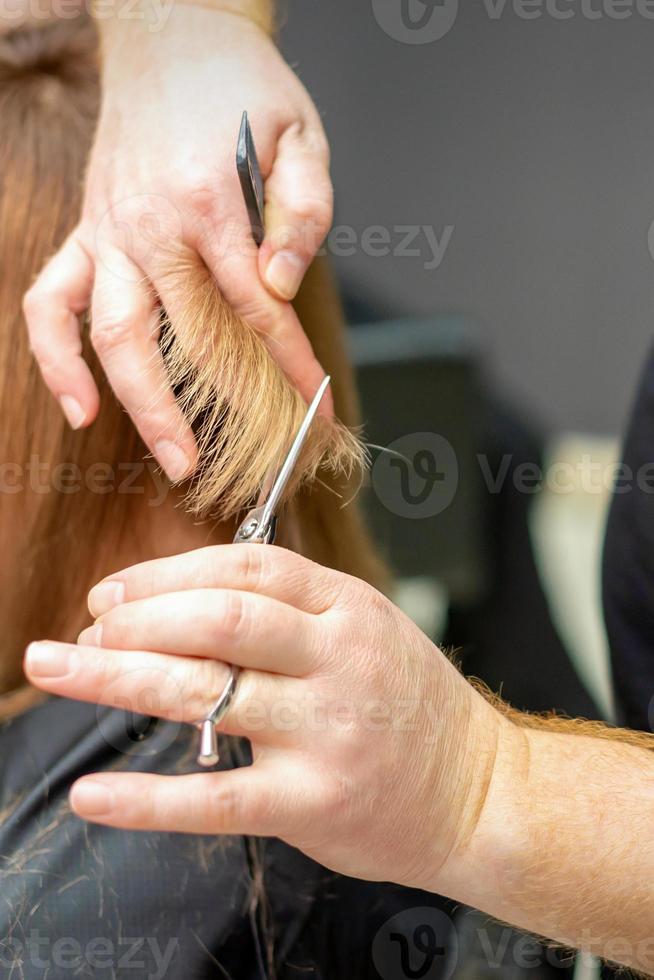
x=516 y=151
x=535 y=140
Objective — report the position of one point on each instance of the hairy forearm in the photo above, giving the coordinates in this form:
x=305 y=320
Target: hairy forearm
x=565 y=843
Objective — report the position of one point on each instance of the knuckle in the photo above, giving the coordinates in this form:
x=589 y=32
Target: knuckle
x=204 y=200
x=232 y=618
x=298 y=574
x=206 y=566
x=114 y=632
x=258 y=312
x=381 y=615
x=130 y=211
x=310 y=137
x=188 y=172
x=111 y=333
x=34 y=302
x=105 y=675
x=316 y=211
x=197 y=569
x=249 y=688
x=49 y=366
x=230 y=807
x=143 y=214
x=319 y=145
x=203 y=682
x=349 y=593
x=255 y=566
x=377 y=603
x=337 y=794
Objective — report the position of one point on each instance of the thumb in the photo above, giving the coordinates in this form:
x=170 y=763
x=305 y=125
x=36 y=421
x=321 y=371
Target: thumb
x=299 y=210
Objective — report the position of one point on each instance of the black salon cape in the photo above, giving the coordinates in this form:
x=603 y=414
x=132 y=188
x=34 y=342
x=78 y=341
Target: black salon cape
x=628 y=568
x=78 y=900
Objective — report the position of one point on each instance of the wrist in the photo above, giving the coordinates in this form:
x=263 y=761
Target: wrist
x=487 y=859
x=137 y=49
x=153 y=16
x=259 y=12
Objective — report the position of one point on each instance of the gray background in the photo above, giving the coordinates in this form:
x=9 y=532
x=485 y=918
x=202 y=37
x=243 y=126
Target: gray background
x=535 y=139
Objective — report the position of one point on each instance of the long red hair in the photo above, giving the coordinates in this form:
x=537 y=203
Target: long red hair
x=61 y=533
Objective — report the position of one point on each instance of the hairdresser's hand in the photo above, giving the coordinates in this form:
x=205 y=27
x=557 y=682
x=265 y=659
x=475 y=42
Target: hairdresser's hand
x=162 y=174
x=372 y=753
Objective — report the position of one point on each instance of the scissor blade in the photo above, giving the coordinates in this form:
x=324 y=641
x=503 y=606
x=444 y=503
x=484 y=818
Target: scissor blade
x=281 y=481
x=249 y=173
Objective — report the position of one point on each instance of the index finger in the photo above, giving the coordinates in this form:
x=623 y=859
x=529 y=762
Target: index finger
x=52 y=306
x=275 y=572
x=232 y=259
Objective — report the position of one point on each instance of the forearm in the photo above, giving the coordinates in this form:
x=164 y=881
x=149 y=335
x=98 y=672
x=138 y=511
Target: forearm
x=565 y=844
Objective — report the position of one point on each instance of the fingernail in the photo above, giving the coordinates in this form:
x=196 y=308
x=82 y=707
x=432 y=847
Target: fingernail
x=173 y=459
x=45 y=660
x=91 y=637
x=73 y=411
x=284 y=274
x=91 y=798
x=105 y=596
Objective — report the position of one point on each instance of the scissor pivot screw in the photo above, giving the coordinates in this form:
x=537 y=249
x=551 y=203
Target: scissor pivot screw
x=249 y=529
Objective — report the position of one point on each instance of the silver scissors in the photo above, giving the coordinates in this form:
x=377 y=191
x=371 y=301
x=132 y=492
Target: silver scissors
x=258 y=527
